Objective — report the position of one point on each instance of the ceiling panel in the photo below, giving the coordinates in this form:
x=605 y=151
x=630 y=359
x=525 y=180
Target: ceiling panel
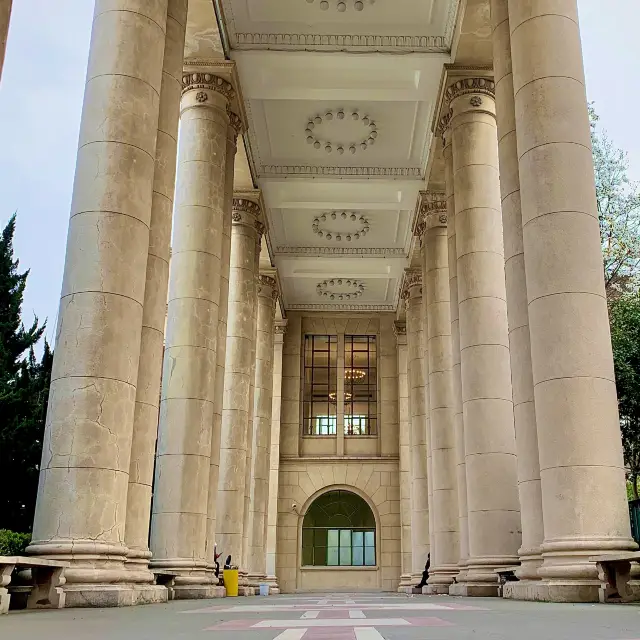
x=369 y=25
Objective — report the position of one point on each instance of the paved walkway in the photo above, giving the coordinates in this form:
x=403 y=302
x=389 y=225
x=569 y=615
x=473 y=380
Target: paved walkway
x=331 y=617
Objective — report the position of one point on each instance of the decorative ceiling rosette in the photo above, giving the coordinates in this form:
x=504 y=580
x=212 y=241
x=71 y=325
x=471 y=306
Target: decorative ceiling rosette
x=340 y=289
x=318 y=129
x=341 y=5
x=348 y=226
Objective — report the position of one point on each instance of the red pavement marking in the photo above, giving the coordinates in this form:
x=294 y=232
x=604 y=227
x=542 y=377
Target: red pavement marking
x=429 y=622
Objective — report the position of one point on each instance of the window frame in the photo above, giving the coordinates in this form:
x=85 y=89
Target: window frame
x=340 y=415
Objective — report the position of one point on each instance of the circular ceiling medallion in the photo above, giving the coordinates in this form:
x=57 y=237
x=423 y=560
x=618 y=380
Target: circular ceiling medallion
x=341 y=5
x=348 y=226
x=319 y=123
x=340 y=289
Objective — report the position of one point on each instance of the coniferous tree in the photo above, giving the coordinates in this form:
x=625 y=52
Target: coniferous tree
x=24 y=388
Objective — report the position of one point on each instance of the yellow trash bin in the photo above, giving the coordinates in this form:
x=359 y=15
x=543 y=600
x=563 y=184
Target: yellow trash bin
x=230 y=578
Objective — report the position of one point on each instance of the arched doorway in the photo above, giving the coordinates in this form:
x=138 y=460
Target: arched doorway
x=339 y=542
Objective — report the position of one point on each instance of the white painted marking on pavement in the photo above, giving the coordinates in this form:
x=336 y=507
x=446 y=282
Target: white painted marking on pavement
x=291 y=634
x=356 y=613
x=309 y=614
x=368 y=633
x=332 y=622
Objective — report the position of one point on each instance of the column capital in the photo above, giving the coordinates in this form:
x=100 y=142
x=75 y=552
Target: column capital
x=235 y=121
x=474 y=87
x=248 y=211
x=281 y=327
x=412 y=285
x=268 y=287
x=432 y=212
x=400 y=332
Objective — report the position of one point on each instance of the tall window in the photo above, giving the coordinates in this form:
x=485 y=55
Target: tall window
x=339 y=530
x=320 y=385
x=360 y=386
x=360 y=398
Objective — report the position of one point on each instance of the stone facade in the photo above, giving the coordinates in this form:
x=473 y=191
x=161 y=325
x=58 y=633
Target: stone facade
x=496 y=441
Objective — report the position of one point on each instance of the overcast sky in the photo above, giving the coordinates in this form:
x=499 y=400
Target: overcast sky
x=41 y=99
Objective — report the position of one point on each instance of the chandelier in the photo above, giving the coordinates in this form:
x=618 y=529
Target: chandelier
x=334 y=396
x=355 y=374
x=341 y=5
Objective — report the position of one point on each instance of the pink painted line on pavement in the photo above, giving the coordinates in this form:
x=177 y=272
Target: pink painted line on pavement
x=429 y=622
x=334 y=633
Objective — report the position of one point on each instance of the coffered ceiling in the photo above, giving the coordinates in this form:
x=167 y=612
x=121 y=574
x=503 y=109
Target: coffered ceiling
x=339 y=137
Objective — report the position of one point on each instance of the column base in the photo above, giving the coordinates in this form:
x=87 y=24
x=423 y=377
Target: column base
x=405 y=589
x=437 y=589
x=553 y=591
x=468 y=590
x=111 y=595
x=272 y=581
x=196 y=592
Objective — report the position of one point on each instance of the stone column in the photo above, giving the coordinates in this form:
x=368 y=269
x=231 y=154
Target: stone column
x=261 y=466
x=405 y=457
x=444 y=504
x=458 y=419
x=5 y=18
x=145 y=423
x=89 y=425
x=181 y=489
x=492 y=489
x=237 y=380
x=424 y=359
x=234 y=130
x=274 y=458
x=581 y=463
x=519 y=342
x=249 y=486
x=419 y=489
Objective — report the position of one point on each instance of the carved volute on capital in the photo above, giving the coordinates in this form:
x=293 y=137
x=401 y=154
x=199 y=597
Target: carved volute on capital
x=400 y=332
x=281 y=328
x=268 y=287
x=443 y=128
x=412 y=287
x=235 y=121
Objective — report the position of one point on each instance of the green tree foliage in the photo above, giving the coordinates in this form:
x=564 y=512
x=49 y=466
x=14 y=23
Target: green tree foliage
x=24 y=389
x=624 y=313
x=619 y=213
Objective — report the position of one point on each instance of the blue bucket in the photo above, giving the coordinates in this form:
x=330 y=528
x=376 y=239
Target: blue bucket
x=264 y=589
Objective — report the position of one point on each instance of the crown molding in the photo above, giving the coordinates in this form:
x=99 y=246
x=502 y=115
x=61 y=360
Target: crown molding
x=340 y=251
x=341 y=307
x=272 y=171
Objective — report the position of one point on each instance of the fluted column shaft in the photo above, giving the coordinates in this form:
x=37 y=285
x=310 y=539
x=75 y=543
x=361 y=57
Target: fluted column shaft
x=405 y=456
x=492 y=493
x=581 y=464
x=5 y=19
x=181 y=490
x=84 y=475
x=444 y=503
x=524 y=412
x=267 y=296
x=458 y=418
x=234 y=130
x=419 y=483
x=274 y=458
x=237 y=379
x=145 y=424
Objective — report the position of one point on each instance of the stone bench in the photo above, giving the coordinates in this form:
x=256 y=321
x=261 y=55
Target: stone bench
x=614 y=573
x=43 y=584
x=166 y=579
x=507 y=574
